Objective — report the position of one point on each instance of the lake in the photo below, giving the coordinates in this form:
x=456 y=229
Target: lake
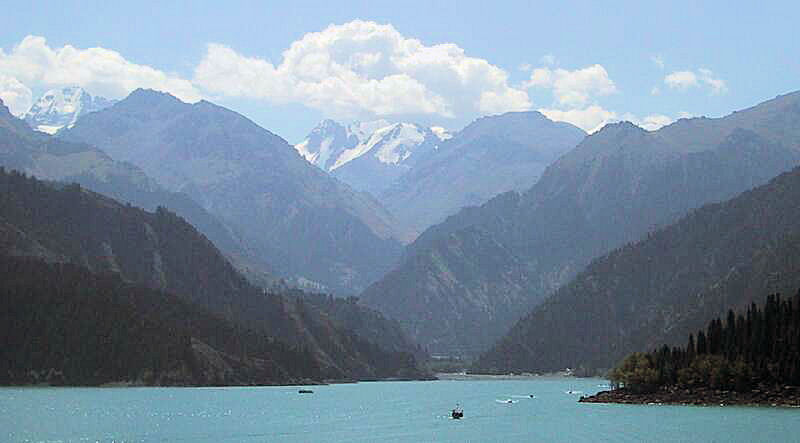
x=370 y=412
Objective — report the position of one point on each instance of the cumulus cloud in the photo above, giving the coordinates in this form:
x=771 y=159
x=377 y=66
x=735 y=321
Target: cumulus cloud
x=681 y=80
x=590 y=118
x=575 y=94
x=573 y=88
x=594 y=117
x=717 y=85
x=101 y=71
x=649 y=122
x=684 y=80
x=363 y=68
x=16 y=96
x=655 y=121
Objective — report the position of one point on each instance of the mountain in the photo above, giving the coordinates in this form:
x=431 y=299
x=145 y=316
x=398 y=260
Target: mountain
x=617 y=185
x=307 y=223
x=368 y=156
x=492 y=155
x=657 y=291
x=51 y=158
x=160 y=251
x=63 y=325
x=60 y=108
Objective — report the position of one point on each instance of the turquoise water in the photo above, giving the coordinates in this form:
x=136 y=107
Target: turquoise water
x=373 y=412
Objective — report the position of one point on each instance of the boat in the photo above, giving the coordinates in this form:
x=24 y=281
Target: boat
x=305 y=391
x=457 y=413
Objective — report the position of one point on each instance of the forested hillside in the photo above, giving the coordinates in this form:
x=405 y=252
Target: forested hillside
x=758 y=347
x=618 y=184
x=62 y=324
x=67 y=224
x=655 y=291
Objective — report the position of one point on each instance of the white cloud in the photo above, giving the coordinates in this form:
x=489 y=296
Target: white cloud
x=365 y=69
x=573 y=88
x=101 y=71
x=717 y=85
x=594 y=117
x=16 y=96
x=655 y=91
x=525 y=67
x=657 y=60
x=683 y=80
x=590 y=119
x=649 y=122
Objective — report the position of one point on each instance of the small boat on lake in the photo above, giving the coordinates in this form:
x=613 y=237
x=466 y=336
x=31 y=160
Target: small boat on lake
x=305 y=391
x=457 y=413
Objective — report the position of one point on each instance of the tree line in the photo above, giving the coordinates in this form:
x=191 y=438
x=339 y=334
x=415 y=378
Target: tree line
x=745 y=350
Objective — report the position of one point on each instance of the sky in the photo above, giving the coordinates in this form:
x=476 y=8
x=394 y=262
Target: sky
x=287 y=67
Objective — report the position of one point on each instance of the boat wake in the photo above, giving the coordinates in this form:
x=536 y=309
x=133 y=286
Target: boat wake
x=507 y=401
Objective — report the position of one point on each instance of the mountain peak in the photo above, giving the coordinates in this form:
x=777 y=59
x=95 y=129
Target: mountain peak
x=508 y=123
x=328 y=123
x=59 y=108
x=620 y=127
x=331 y=145
x=144 y=96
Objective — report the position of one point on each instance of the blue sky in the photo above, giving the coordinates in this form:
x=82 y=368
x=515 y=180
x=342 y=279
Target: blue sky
x=439 y=64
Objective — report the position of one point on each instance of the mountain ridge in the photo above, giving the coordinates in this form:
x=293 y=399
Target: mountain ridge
x=658 y=290
x=161 y=252
x=309 y=224
x=614 y=187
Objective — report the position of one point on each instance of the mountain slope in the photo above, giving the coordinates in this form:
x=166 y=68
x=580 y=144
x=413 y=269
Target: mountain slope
x=61 y=324
x=309 y=224
x=162 y=252
x=492 y=155
x=614 y=187
x=720 y=257
x=51 y=158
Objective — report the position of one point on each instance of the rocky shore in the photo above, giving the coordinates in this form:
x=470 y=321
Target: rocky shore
x=784 y=396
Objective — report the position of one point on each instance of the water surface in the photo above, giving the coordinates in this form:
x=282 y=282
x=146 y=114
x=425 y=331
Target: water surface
x=369 y=412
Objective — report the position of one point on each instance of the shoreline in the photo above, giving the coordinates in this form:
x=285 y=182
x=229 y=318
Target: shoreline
x=777 y=396
x=468 y=376
x=140 y=384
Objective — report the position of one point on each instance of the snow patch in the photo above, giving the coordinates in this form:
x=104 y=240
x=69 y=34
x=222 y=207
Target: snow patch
x=441 y=132
x=48 y=129
x=324 y=151
x=403 y=139
x=59 y=108
x=331 y=145
x=302 y=149
x=364 y=130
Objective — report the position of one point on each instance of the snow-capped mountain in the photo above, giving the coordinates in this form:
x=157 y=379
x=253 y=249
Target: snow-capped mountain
x=59 y=108
x=307 y=223
x=369 y=156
